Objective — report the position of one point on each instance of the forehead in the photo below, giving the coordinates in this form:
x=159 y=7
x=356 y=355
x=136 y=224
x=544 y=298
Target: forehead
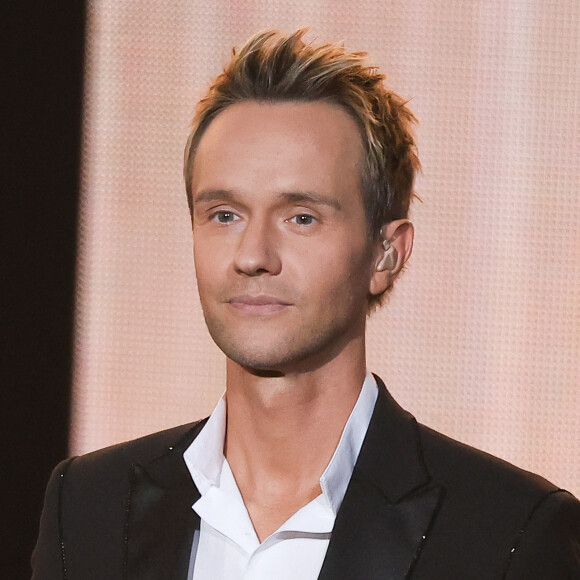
x=283 y=144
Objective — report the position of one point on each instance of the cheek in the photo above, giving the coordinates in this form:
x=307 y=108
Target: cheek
x=337 y=279
x=207 y=266
x=207 y=252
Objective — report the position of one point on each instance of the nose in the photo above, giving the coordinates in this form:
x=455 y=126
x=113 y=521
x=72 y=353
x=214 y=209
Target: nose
x=257 y=253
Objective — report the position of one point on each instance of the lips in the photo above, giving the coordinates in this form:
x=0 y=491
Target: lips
x=260 y=304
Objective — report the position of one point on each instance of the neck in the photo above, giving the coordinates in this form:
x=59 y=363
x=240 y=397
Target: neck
x=282 y=431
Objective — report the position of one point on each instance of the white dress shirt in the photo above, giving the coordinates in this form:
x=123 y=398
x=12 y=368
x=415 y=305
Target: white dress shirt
x=227 y=547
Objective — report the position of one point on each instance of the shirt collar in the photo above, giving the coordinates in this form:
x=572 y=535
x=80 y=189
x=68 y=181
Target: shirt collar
x=336 y=476
x=204 y=457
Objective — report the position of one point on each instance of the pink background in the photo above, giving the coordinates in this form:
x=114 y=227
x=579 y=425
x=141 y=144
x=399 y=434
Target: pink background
x=481 y=337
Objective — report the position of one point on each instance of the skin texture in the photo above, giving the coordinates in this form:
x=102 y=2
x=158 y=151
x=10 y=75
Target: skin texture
x=284 y=271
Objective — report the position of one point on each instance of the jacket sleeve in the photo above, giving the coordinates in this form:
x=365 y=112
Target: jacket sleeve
x=47 y=562
x=548 y=546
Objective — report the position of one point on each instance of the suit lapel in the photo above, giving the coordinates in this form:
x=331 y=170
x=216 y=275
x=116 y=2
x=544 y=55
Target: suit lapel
x=389 y=504
x=160 y=522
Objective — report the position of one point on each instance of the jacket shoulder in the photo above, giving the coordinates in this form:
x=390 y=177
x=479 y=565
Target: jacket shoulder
x=526 y=526
x=110 y=461
x=86 y=501
x=458 y=464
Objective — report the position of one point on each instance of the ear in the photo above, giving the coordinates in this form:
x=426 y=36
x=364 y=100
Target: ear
x=388 y=263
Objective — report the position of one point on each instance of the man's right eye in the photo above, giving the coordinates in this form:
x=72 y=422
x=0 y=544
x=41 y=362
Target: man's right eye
x=224 y=217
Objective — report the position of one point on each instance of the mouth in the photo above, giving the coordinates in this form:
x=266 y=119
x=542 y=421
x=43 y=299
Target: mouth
x=261 y=304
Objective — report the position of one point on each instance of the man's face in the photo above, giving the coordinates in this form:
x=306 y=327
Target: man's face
x=282 y=259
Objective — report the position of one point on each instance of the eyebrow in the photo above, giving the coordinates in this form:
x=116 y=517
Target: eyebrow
x=214 y=195
x=296 y=197
x=312 y=198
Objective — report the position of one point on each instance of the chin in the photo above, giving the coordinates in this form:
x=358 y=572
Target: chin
x=283 y=359
x=280 y=350
x=256 y=361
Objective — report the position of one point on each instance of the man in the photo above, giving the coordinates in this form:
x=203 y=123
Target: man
x=299 y=172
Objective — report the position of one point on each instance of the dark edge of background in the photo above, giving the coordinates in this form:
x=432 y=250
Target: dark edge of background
x=42 y=51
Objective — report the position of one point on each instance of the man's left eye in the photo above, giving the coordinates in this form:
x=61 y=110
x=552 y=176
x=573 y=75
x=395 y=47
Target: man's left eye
x=303 y=219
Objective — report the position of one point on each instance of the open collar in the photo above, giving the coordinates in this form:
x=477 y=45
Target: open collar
x=380 y=528
x=205 y=459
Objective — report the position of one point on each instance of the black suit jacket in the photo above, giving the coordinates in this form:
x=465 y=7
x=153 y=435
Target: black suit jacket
x=419 y=505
